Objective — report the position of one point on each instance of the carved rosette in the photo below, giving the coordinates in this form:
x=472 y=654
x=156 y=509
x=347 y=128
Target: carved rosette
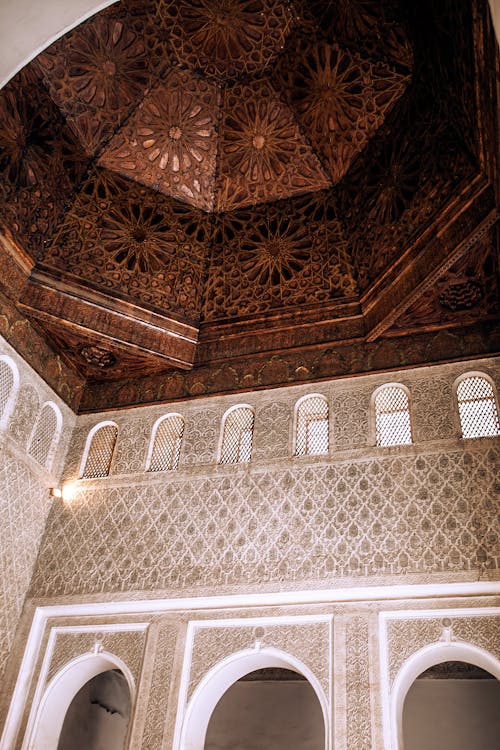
x=98 y=72
x=294 y=254
x=170 y=144
x=123 y=237
x=468 y=288
x=227 y=38
x=263 y=154
x=340 y=99
x=105 y=362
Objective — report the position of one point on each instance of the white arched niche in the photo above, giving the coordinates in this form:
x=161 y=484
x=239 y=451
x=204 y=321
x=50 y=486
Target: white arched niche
x=56 y=700
x=427 y=657
x=220 y=678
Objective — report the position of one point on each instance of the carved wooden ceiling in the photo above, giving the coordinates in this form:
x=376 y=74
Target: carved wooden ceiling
x=206 y=196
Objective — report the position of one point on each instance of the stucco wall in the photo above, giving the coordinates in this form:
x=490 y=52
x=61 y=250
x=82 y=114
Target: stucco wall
x=24 y=494
x=413 y=512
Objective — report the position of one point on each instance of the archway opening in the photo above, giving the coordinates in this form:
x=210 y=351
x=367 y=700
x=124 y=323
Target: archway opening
x=98 y=715
x=452 y=705
x=272 y=707
x=48 y=716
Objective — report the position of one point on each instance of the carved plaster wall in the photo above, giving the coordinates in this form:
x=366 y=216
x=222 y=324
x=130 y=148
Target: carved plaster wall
x=406 y=636
x=310 y=642
x=418 y=510
x=24 y=494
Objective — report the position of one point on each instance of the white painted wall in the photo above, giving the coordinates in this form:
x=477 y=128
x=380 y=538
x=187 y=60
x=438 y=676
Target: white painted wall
x=267 y=715
x=452 y=715
x=28 y=26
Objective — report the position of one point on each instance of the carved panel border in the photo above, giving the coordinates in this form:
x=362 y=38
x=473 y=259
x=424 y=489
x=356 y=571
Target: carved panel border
x=307 y=638
x=403 y=634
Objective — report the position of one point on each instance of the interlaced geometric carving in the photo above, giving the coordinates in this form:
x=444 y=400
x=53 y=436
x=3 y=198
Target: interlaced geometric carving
x=340 y=99
x=366 y=25
x=392 y=416
x=402 y=513
x=477 y=408
x=23 y=513
x=225 y=106
x=311 y=436
x=158 y=700
x=167 y=444
x=169 y=143
x=100 y=452
x=99 y=71
x=6 y=385
x=263 y=154
x=237 y=436
x=43 y=435
x=227 y=38
x=125 y=237
x=358 y=684
x=406 y=637
x=291 y=253
x=390 y=190
x=40 y=162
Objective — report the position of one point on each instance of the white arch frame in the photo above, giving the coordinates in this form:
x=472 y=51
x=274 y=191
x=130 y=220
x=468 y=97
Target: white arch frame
x=456 y=410
x=220 y=678
x=88 y=443
x=55 y=437
x=9 y=407
x=426 y=657
x=154 y=430
x=59 y=693
x=223 y=427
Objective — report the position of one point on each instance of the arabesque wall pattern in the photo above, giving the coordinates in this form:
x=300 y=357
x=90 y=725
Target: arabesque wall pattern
x=24 y=494
x=426 y=509
x=114 y=560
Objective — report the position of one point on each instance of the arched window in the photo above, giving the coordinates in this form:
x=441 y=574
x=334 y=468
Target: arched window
x=311 y=426
x=237 y=434
x=392 y=416
x=9 y=380
x=477 y=407
x=42 y=443
x=166 y=439
x=99 y=450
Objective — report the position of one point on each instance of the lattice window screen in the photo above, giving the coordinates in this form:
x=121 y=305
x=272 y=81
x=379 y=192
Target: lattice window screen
x=237 y=436
x=392 y=417
x=312 y=427
x=477 y=408
x=6 y=385
x=167 y=444
x=43 y=435
x=100 y=452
